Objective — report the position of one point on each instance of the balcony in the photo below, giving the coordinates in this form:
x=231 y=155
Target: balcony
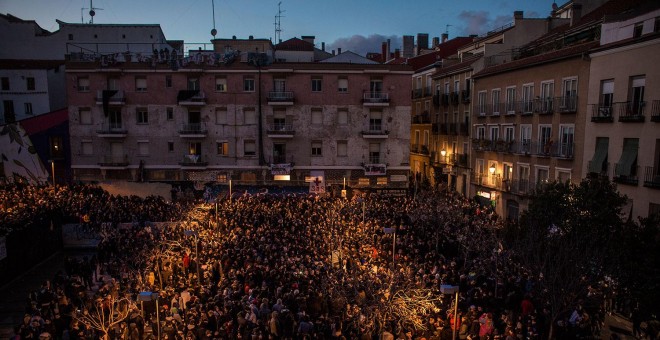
x=453 y=98
x=602 y=171
x=417 y=93
x=630 y=112
x=370 y=98
x=527 y=107
x=566 y=104
x=110 y=97
x=111 y=130
x=652 y=177
x=459 y=159
x=375 y=132
x=112 y=161
x=420 y=149
x=655 y=111
x=193 y=161
x=193 y=130
x=444 y=99
x=601 y=113
x=465 y=96
x=436 y=100
x=545 y=106
x=486 y=180
x=524 y=187
x=623 y=175
x=280 y=98
x=280 y=131
x=423 y=118
x=191 y=98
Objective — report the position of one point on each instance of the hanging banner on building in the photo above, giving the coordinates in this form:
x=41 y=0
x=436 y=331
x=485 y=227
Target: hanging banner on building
x=280 y=169
x=317 y=186
x=375 y=169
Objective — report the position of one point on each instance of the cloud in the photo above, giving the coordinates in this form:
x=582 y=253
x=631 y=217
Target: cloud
x=474 y=22
x=361 y=45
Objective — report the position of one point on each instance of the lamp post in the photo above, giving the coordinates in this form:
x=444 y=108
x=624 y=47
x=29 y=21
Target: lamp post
x=443 y=153
x=197 y=262
x=449 y=290
x=52 y=170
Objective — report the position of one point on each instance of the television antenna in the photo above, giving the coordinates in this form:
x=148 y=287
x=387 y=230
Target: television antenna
x=278 y=23
x=447 y=28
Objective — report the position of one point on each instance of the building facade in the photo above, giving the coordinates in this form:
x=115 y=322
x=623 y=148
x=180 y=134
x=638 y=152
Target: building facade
x=251 y=122
x=623 y=135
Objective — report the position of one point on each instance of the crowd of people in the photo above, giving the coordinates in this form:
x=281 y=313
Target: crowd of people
x=291 y=267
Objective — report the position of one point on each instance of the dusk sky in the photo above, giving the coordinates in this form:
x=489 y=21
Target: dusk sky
x=357 y=25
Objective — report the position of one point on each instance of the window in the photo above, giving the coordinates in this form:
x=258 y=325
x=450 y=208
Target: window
x=563 y=175
x=606 y=98
x=28 y=108
x=221 y=115
x=507 y=171
x=509 y=134
x=86 y=148
x=480 y=167
x=85 y=116
x=342 y=148
x=168 y=81
x=342 y=117
x=566 y=137
x=547 y=91
x=317 y=84
x=170 y=146
x=143 y=148
x=528 y=98
x=494 y=133
x=169 y=113
x=5 y=83
x=375 y=121
x=70 y=37
x=142 y=115
x=83 y=84
x=30 y=84
x=250 y=117
x=374 y=153
x=636 y=106
x=525 y=138
x=481 y=132
x=545 y=139
x=481 y=100
x=317 y=148
x=193 y=84
x=342 y=85
x=569 y=97
x=10 y=114
x=511 y=100
x=248 y=84
x=523 y=176
x=496 y=102
x=223 y=148
x=637 y=31
x=249 y=148
x=112 y=83
x=140 y=84
x=220 y=84
x=317 y=117
x=542 y=175
x=279 y=120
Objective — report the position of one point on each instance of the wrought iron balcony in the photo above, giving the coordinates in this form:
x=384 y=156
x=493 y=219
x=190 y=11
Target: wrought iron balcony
x=423 y=118
x=280 y=131
x=193 y=130
x=370 y=98
x=375 y=131
x=655 y=111
x=460 y=159
x=566 y=104
x=652 y=177
x=280 y=98
x=602 y=170
x=420 y=149
x=601 y=113
x=630 y=112
x=453 y=98
x=112 y=130
x=465 y=96
x=417 y=93
x=625 y=176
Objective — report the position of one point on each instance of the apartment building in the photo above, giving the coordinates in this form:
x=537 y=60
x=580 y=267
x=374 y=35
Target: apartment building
x=240 y=117
x=622 y=133
x=422 y=151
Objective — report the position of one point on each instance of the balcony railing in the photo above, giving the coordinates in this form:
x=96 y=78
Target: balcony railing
x=375 y=131
x=420 y=149
x=191 y=98
x=566 y=104
x=444 y=99
x=459 y=159
x=602 y=170
x=630 y=112
x=655 y=111
x=523 y=187
x=601 y=113
x=453 y=98
x=465 y=96
x=625 y=176
x=193 y=160
x=114 y=160
x=280 y=129
x=652 y=177
x=115 y=129
x=423 y=118
x=377 y=98
x=193 y=129
x=110 y=97
x=275 y=97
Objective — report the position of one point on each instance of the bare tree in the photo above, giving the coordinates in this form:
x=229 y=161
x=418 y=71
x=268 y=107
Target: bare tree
x=105 y=313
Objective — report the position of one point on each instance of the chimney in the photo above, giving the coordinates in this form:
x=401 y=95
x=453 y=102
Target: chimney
x=339 y=50
x=323 y=46
x=333 y=52
x=445 y=36
x=397 y=53
x=517 y=15
x=251 y=37
x=308 y=38
x=387 y=55
x=576 y=13
x=383 y=52
x=436 y=42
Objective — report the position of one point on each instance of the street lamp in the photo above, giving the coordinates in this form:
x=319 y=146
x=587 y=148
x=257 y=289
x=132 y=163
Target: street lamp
x=492 y=168
x=449 y=290
x=197 y=261
x=52 y=170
